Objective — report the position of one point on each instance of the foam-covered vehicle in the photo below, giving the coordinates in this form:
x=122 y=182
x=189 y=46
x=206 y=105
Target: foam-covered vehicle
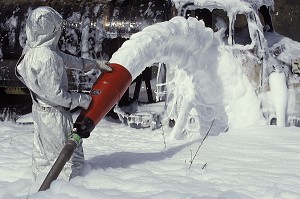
x=268 y=59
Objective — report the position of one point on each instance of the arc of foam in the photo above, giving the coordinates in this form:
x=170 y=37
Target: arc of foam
x=189 y=45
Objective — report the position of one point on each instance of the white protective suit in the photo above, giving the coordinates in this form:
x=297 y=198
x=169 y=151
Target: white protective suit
x=42 y=68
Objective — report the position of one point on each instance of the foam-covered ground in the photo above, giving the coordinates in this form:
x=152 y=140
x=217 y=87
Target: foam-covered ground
x=122 y=162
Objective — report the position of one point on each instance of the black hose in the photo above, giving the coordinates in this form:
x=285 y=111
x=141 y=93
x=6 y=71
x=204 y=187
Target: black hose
x=59 y=164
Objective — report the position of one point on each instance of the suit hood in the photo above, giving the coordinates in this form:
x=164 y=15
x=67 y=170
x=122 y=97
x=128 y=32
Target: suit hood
x=43 y=28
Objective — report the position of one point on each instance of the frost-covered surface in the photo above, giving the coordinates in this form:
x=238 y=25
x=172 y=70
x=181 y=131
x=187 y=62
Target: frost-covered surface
x=122 y=162
x=286 y=51
x=228 y=5
x=279 y=96
x=284 y=48
x=258 y=3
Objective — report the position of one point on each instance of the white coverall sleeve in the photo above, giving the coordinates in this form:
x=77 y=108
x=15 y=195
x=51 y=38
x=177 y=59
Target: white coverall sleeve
x=49 y=85
x=83 y=64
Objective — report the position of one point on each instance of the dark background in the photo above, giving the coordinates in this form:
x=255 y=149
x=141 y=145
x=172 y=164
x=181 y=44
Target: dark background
x=286 y=18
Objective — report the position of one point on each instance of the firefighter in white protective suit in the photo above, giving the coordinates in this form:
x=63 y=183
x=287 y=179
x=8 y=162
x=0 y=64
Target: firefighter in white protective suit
x=42 y=68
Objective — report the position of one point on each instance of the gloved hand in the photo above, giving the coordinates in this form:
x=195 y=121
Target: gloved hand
x=103 y=66
x=84 y=101
x=80 y=99
x=88 y=64
x=81 y=130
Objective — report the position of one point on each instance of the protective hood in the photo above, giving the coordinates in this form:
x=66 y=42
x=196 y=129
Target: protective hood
x=43 y=28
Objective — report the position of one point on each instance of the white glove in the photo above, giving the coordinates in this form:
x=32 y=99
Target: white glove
x=103 y=66
x=84 y=101
x=88 y=64
x=81 y=100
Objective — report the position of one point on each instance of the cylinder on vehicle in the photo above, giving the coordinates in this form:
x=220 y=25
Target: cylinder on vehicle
x=279 y=96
